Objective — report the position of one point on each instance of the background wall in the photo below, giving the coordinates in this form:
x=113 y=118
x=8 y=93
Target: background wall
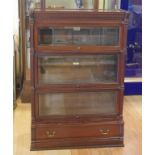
x=16 y=30
x=15 y=17
x=16 y=49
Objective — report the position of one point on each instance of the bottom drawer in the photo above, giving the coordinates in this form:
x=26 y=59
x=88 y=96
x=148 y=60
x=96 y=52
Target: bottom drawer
x=75 y=131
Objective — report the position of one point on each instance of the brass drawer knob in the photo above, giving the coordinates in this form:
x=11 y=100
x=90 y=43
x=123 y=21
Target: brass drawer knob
x=104 y=131
x=50 y=134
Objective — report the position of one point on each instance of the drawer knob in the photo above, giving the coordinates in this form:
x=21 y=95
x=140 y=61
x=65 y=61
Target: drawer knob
x=79 y=47
x=104 y=131
x=50 y=134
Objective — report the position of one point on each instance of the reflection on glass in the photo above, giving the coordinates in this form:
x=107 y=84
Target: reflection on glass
x=79 y=103
x=106 y=36
x=110 y=36
x=77 y=69
x=45 y=36
x=31 y=5
x=62 y=36
x=69 y=4
x=86 y=36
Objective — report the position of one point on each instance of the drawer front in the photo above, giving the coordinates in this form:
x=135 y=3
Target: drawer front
x=78 y=69
x=75 y=131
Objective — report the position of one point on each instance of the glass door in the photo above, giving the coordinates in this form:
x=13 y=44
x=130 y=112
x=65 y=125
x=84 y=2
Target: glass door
x=78 y=69
x=99 y=36
x=77 y=104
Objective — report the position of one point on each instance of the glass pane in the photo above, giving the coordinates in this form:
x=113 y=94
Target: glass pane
x=101 y=36
x=62 y=36
x=110 y=36
x=83 y=103
x=86 y=36
x=45 y=36
x=77 y=69
x=69 y=4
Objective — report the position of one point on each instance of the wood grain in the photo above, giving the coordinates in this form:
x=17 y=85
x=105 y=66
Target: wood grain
x=132 y=118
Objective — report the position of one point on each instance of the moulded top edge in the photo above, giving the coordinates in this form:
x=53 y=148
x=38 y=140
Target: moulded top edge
x=81 y=10
x=80 y=13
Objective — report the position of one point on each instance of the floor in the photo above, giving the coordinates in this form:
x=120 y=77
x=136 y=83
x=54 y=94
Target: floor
x=132 y=118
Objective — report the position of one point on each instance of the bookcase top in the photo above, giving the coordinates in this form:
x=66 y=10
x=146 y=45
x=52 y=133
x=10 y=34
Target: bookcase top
x=81 y=13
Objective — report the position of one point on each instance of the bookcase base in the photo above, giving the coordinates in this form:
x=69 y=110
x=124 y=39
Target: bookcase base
x=77 y=143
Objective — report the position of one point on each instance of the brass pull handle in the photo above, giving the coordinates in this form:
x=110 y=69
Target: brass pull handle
x=79 y=47
x=104 y=131
x=50 y=134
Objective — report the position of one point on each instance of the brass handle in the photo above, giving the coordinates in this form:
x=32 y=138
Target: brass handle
x=104 y=131
x=50 y=134
x=79 y=47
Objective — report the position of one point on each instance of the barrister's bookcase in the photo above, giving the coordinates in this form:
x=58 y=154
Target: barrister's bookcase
x=77 y=78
